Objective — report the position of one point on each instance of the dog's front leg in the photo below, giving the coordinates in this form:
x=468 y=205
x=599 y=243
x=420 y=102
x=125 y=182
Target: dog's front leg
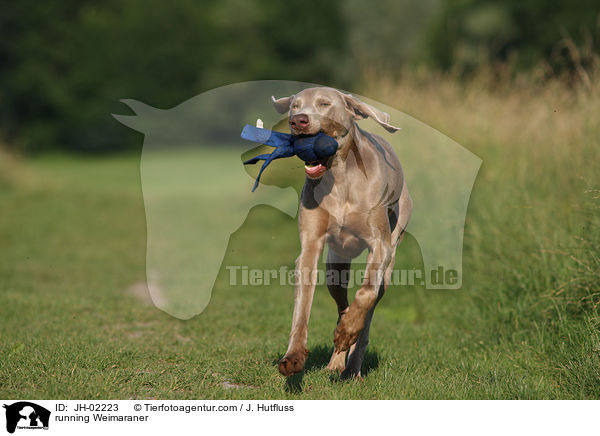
x=351 y=324
x=306 y=276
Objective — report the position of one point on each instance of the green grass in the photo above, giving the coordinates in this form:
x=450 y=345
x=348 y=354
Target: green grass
x=73 y=241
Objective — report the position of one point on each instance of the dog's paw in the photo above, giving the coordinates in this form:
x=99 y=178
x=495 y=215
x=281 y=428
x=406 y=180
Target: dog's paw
x=292 y=363
x=346 y=334
x=350 y=374
x=337 y=362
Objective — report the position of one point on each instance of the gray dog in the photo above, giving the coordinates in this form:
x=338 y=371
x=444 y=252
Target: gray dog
x=355 y=200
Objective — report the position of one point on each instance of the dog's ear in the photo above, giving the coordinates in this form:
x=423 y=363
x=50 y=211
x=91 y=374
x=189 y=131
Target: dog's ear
x=282 y=105
x=360 y=111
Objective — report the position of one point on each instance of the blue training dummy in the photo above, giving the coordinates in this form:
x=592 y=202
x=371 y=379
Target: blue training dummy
x=313 y=148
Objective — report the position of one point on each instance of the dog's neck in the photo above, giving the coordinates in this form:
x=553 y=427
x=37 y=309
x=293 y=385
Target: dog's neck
x=346 y=142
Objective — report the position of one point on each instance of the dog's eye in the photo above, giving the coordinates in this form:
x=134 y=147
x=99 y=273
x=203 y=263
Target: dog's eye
x=324 y=104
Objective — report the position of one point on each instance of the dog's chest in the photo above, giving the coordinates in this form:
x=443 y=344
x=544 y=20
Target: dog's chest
x=344 y=230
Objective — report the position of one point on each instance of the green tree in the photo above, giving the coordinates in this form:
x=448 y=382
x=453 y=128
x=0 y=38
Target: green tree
x=65 y=65
x=471 y=33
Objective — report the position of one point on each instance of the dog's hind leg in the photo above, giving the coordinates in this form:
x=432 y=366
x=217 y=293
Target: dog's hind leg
x=338 y=272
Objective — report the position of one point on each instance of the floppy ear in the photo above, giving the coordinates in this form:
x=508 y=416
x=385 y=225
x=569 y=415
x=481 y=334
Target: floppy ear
x=282 y=105
x=360 y=110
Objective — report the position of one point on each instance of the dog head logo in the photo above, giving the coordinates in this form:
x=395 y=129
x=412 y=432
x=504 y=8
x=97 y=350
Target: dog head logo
x=26 y=415
x=197 y=191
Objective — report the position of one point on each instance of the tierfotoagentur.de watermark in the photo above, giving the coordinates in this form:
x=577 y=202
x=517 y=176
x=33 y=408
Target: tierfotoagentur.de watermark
x=198 y=192
x=242 y=275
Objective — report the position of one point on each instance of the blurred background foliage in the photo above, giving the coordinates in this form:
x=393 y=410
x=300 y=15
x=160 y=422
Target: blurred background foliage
x=65 y=65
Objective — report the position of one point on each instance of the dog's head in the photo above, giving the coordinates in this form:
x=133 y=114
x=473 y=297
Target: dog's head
x=330 y=111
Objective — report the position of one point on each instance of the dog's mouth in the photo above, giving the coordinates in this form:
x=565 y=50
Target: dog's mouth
x=315 y=170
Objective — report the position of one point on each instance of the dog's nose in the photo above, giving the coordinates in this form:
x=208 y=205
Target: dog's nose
x=299 y=121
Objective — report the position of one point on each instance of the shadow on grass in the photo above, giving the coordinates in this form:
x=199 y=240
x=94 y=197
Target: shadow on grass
x=318 y=358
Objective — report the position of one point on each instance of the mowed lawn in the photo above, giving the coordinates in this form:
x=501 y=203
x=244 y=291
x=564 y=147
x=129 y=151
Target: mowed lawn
x=75 y=321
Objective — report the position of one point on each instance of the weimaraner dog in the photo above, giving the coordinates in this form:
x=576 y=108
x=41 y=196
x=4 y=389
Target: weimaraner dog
x=355 y=200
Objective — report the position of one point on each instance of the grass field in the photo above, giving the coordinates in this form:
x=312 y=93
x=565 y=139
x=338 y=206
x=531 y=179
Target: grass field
x=75 y=321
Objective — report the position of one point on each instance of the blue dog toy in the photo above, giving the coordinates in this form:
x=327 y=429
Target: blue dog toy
x=308 y=148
